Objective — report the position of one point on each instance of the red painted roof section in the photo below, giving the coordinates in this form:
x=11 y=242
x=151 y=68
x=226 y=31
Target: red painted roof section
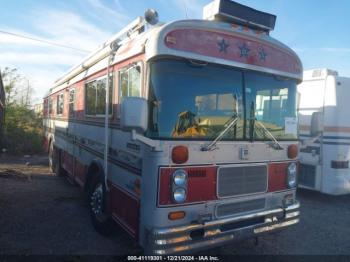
x=233 y=48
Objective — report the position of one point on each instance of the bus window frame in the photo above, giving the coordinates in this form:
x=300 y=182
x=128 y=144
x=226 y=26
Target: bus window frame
x=111 y=94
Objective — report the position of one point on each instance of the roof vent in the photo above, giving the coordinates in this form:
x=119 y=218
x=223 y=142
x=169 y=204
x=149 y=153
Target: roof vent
x=232 y=12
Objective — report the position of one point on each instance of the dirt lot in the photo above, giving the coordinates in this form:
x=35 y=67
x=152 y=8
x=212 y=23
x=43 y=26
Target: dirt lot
x=44 y=214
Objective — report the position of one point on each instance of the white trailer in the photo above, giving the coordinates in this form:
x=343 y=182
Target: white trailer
x=324 y=126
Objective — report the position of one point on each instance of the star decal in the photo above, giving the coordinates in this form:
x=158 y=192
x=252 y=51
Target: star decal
x=262 y=54
x=244 y=50
x=223 y=45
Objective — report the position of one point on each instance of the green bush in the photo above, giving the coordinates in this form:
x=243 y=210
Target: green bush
x=23 y=133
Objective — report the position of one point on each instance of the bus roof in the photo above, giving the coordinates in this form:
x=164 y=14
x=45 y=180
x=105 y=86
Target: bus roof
x=211 y=41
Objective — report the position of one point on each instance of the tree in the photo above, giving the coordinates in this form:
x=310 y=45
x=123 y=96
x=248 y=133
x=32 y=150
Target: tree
x=22 y=130
x=22 y=127
x=10 y=78
x=18 y=89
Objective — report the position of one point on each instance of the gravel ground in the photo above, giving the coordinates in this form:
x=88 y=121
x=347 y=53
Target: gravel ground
x=44 y=214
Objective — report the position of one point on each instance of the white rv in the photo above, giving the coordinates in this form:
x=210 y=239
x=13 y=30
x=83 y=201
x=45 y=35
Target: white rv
x=324 y=126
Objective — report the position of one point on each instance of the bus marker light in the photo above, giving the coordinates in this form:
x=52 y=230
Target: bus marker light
x=171 y=39
x=176 y=215
x=292 y=151
x=179 y=154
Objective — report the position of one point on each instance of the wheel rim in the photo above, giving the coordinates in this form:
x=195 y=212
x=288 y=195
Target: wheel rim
x=96 y=202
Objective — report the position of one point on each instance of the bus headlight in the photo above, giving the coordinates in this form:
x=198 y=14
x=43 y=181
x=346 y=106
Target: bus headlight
x=292 y=175
x=179 y=195
x=180 y=177
x=179 y=185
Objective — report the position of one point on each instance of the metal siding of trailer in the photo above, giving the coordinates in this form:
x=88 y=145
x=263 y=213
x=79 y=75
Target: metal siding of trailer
x=337 y=122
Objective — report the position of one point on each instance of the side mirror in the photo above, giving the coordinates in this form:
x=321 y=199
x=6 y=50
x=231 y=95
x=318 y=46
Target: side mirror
x=316 y=124
x=134 y=114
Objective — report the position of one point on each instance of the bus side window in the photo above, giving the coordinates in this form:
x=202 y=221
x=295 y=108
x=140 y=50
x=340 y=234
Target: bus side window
x=130 y=81
x=60 y=104
x=71 y=102
x=95 y=97
x=50 y=106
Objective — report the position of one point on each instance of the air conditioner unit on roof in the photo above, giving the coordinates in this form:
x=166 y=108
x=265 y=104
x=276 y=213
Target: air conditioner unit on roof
x=232 y=12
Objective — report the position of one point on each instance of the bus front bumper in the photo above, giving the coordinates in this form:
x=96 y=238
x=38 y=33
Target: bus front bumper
x=201 y=236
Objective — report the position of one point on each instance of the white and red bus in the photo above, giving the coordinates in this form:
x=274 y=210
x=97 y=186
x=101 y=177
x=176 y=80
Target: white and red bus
x=199 y=146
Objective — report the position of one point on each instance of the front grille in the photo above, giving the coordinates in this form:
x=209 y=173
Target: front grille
x=307 y=175
x=240 y=207
x=242 y=180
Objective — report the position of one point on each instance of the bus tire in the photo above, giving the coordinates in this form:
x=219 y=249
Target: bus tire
x=101 y=220
x=56 y=163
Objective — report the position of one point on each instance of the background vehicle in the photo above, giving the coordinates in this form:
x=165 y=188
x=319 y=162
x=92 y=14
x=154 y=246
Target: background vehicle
x=200 y=144
x=324 y=132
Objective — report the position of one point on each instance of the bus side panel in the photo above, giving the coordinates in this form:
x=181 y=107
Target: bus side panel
x=68 y=163
x=80 y=171
x=125 y=210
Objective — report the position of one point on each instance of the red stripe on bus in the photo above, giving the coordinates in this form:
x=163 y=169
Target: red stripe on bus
x=80 y=171
x=277 y=177
x=201 y=185
x=125 y=209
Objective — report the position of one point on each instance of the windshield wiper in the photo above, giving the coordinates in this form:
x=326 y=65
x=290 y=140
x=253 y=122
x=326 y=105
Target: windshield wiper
x=276 y=145
x=253 y=121
x=211 y=146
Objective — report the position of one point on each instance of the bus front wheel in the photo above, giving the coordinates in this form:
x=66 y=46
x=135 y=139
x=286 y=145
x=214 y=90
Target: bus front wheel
x=100 y=219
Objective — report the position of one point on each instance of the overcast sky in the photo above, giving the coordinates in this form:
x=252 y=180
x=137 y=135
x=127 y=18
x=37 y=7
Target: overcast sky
x=318 y=30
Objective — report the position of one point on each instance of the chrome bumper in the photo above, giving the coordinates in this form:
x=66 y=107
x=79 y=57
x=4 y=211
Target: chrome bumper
x=196 y=237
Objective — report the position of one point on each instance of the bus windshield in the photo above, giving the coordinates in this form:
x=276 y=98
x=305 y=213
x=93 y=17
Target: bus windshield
x=191 y=100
